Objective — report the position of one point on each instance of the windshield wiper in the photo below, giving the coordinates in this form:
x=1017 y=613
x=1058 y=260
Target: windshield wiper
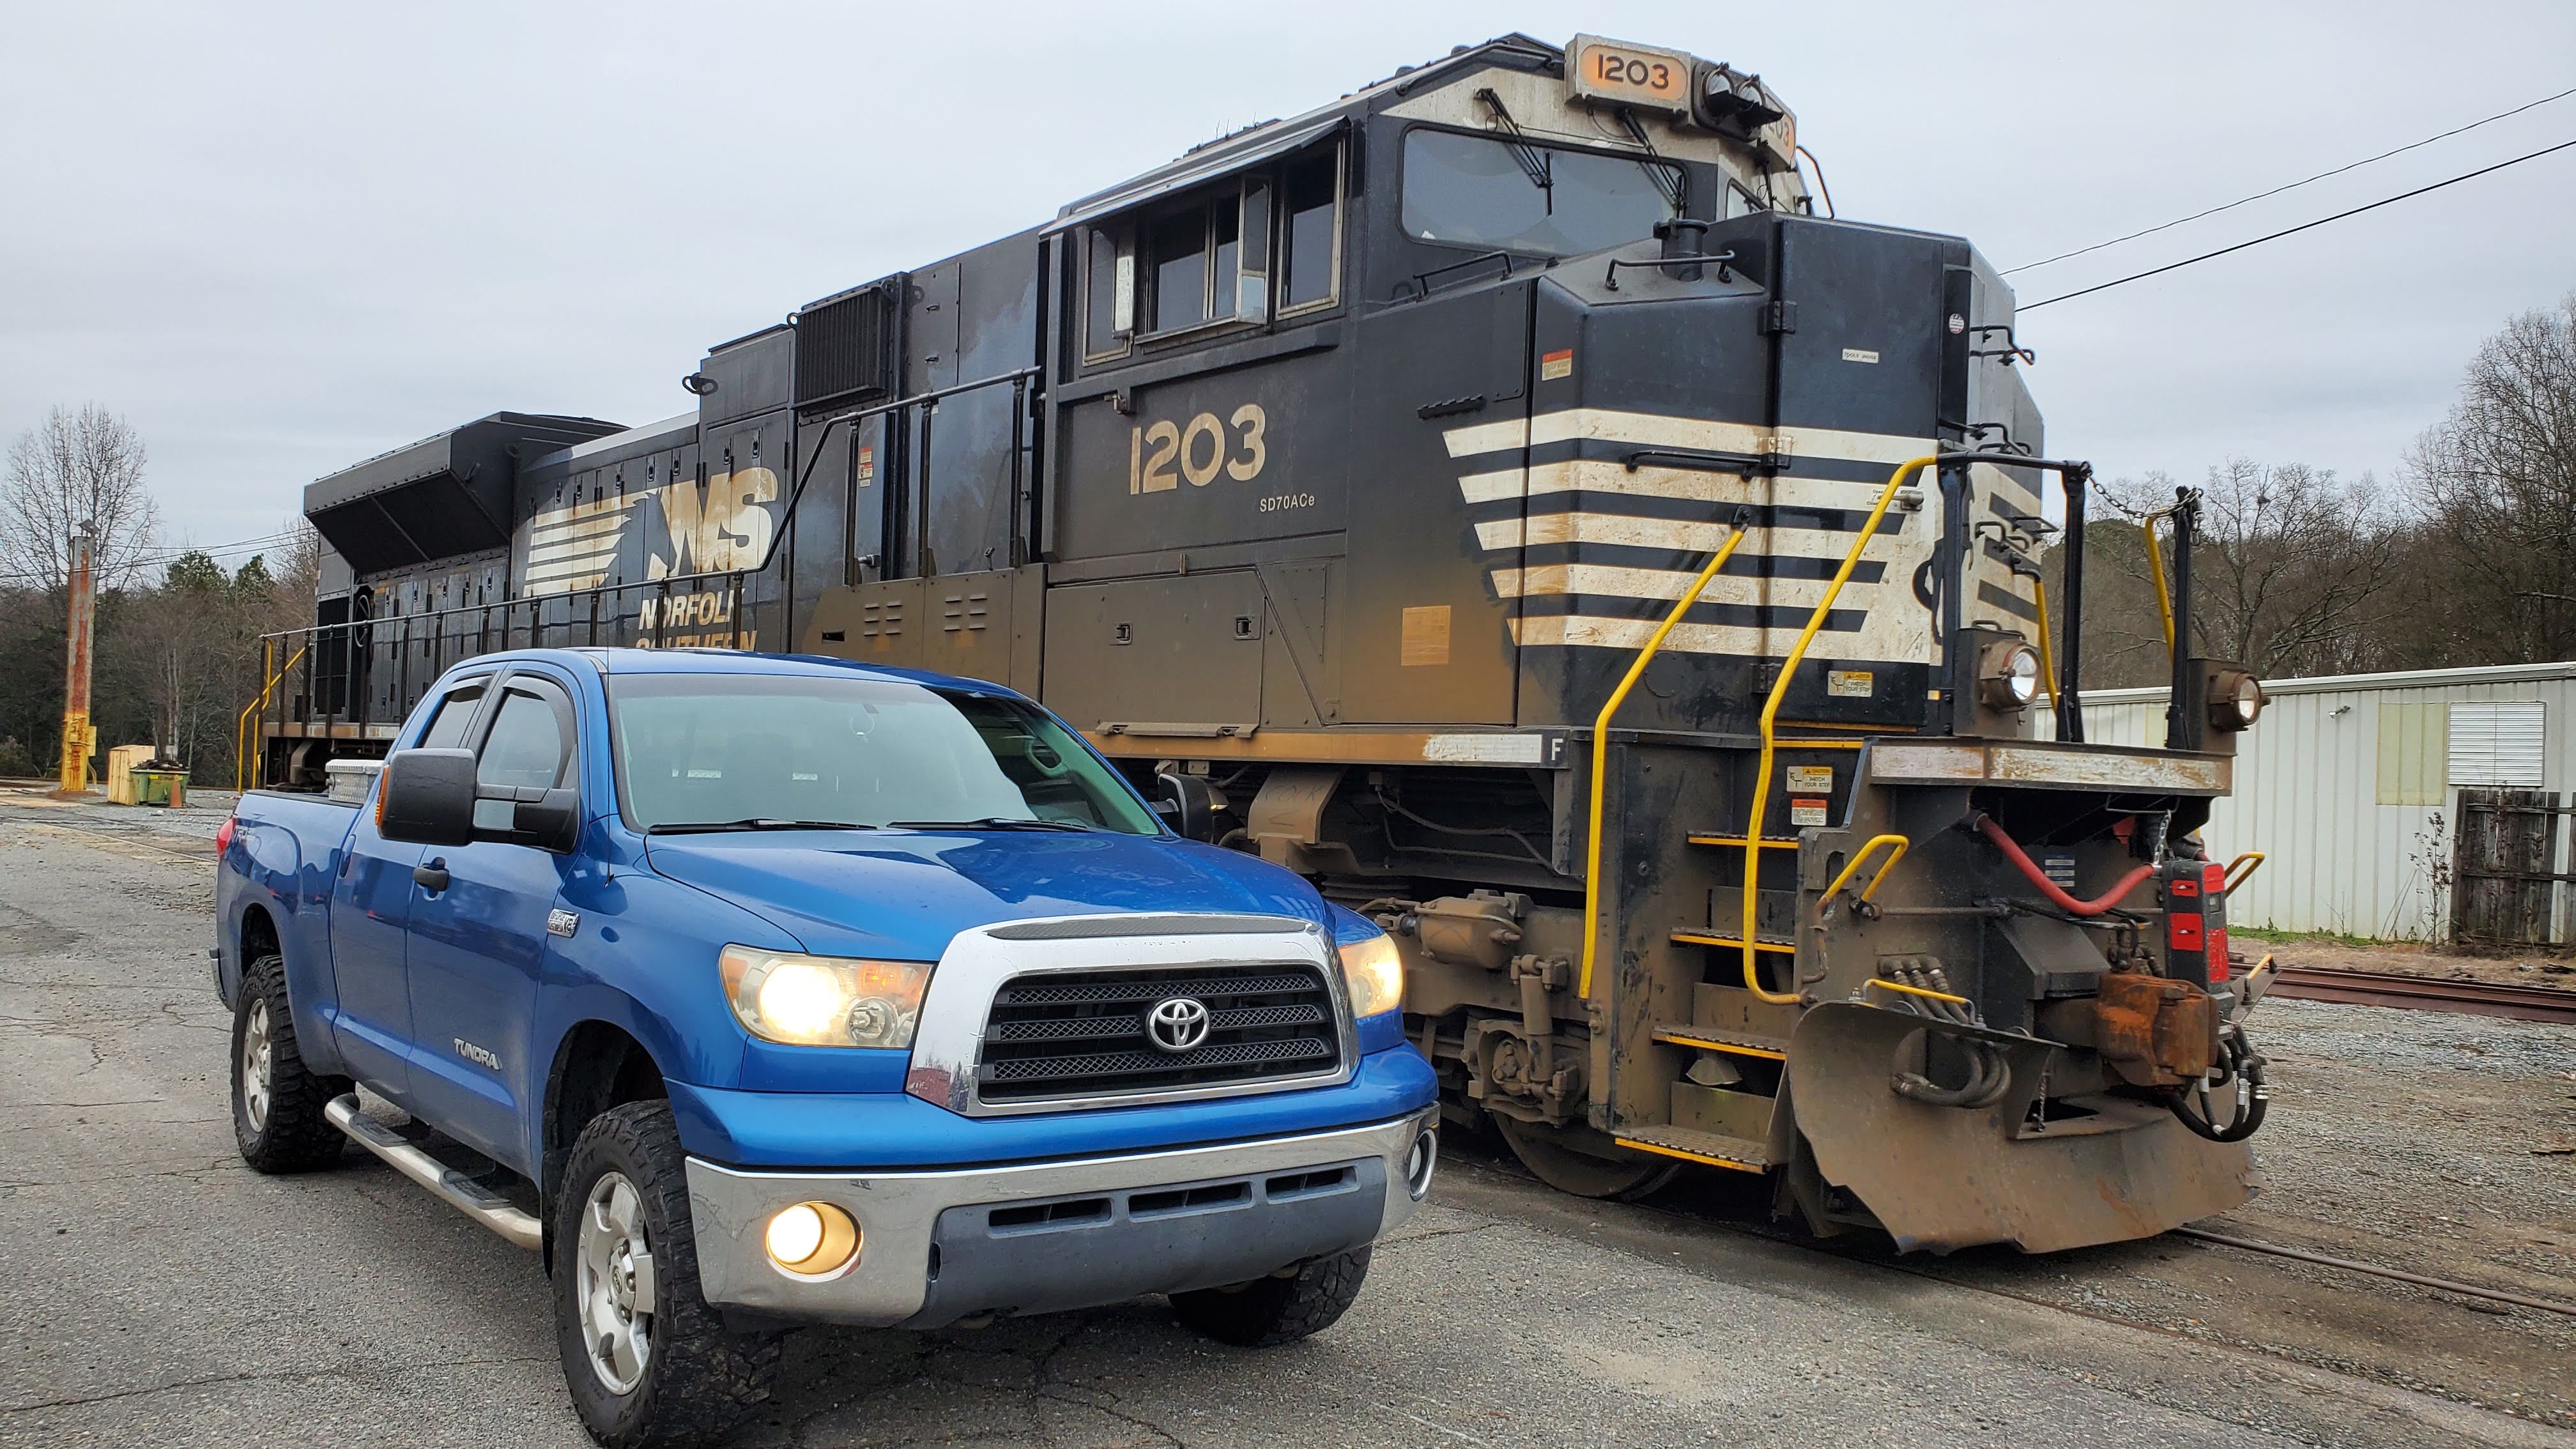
x=989 y=822
x=756 y=822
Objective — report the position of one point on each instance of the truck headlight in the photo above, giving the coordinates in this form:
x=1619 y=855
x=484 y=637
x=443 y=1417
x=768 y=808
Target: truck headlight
x=1375 y=975
x=799 y=1000
x=2008 y=675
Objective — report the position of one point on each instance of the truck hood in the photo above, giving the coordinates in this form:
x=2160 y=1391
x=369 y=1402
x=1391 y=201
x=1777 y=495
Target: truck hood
x=902 y=895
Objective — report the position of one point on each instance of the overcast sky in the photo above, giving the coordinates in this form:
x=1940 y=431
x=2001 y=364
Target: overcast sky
x=280 y=238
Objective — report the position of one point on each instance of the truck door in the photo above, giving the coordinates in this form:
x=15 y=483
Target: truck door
x=478 y=945
x=370 y=907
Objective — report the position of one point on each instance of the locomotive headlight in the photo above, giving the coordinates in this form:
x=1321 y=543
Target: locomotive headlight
x=800 y=1000
x=1375 y=975
x=2236 y=698
x=2008 y=674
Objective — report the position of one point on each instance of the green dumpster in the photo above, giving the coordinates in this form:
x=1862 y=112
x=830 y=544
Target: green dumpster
x=166 y=788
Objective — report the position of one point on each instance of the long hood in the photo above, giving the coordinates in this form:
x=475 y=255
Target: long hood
x=902 y=896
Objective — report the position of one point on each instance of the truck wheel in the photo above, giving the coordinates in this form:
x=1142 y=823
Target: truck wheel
x=648 y=1362
x=1270 y=1311
x=277 y=1100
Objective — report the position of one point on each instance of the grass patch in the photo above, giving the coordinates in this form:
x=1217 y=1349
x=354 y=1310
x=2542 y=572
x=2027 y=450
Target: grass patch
x=2327 y=938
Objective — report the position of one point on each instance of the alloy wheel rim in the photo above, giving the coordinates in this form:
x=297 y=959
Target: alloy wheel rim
x=613 y=1284
x=257 y=1054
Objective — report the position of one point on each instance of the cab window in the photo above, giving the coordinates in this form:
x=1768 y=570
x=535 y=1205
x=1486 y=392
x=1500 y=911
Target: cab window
x=1516 y=196
x=1260 y=245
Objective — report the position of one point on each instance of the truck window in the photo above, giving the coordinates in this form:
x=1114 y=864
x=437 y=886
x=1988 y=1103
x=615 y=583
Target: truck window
x=697 y=749
x=455 y=715
x=1515 y=196
x=530 y=746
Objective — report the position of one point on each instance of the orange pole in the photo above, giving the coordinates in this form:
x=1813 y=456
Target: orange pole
x=78 y=740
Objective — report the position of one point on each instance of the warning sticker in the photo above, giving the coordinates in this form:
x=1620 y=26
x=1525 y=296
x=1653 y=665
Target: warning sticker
x=1554 y=365
x=1860 y=354
x=1811 y=779
x=867 y=466
x=1849 y=683
x=1806 y=812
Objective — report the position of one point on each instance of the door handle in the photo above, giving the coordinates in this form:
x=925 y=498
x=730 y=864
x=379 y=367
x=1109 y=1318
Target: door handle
x=431 y=875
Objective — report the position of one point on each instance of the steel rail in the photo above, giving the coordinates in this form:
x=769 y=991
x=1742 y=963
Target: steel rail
x=2374 y=1270
x=2425 y=993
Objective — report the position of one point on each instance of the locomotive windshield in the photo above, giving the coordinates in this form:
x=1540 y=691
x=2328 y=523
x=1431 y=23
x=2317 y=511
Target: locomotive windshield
x=729 y=751
x=1517 y=197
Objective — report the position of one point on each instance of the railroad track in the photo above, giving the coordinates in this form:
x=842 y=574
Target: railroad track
x=2425 y=993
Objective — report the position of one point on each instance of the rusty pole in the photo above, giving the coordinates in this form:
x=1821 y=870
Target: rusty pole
x=77 y=736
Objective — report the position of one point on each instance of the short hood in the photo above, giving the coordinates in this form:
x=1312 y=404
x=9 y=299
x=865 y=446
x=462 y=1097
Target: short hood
x=903 y=895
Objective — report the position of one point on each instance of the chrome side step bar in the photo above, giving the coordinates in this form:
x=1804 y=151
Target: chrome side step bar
x=461 y=1192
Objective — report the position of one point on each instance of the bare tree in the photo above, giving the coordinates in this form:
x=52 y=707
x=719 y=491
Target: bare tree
x=2498 y=478
x=75 y=470
x=2293 y=571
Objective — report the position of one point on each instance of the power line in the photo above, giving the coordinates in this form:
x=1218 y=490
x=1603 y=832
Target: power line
x=2293 y=185
x=2293 y=231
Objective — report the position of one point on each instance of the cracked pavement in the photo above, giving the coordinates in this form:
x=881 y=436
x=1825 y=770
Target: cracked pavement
x=153 y=1290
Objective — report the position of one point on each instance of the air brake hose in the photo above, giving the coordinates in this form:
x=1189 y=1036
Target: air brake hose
x=1987 y=827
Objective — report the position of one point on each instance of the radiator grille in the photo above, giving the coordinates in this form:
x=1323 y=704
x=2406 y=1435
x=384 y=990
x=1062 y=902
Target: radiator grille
x=1084 y=1034
x=845 y=346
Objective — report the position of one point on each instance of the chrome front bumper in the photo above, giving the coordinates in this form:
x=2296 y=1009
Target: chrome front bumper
x=1119 y=1227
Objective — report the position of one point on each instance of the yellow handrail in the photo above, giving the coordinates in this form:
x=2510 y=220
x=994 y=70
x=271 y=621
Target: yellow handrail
x=1924 y=992
x=2156 y=571
x=2047 y=657
x=241 y=727
x=1861 y=857
x=1601 y=752
x=2252 y=860
x=1771 y=715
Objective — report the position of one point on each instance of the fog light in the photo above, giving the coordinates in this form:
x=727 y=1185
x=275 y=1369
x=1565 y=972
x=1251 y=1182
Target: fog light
x=1418 y=1164
x=812 y=1240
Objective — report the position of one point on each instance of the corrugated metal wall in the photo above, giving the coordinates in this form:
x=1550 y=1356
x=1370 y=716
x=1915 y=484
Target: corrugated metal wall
x=2349 y=786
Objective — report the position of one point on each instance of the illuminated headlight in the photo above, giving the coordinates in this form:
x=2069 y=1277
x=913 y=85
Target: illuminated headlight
x=812 y=1240
x=823 y=1000
x=1375 y=975
x=2008 y=675
x=2236 y=699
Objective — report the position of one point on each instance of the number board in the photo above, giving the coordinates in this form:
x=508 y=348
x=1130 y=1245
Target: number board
x=1632 y=75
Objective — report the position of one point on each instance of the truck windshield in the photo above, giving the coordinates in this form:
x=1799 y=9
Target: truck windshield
x=1517 y=197
x=748 y=751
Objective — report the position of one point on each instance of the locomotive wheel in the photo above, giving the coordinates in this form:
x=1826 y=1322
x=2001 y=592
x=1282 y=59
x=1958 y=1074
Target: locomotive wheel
x=1553 y=1156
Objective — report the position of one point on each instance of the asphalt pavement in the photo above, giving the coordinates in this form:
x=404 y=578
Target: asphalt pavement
x=155 y=1291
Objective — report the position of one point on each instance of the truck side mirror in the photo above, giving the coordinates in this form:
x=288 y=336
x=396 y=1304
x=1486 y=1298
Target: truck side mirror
x=550 y=822
x=427 y=797
x=1186 y=804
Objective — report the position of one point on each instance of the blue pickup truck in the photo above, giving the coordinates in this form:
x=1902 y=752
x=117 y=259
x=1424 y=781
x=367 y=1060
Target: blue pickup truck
x=754 y=991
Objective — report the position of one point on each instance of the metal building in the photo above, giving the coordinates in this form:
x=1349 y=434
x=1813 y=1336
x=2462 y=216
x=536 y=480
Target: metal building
x=2431 y=805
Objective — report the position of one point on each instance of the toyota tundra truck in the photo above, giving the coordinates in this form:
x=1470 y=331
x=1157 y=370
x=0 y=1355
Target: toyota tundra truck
x=752 y=991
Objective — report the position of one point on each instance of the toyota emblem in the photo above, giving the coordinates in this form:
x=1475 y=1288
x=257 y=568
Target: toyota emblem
x=1177 y=1023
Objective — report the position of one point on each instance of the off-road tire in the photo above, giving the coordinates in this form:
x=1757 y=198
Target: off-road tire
x=1267 y=1312
x=292 y=1135
x=699 y=1379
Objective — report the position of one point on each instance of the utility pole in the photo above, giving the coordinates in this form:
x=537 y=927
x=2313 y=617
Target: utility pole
x=77 y=737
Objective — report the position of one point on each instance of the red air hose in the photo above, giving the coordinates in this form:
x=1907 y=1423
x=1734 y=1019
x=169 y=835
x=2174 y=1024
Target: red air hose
x=1987 y=827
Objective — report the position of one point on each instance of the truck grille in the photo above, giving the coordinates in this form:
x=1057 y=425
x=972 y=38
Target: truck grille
x=1079 y=1034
